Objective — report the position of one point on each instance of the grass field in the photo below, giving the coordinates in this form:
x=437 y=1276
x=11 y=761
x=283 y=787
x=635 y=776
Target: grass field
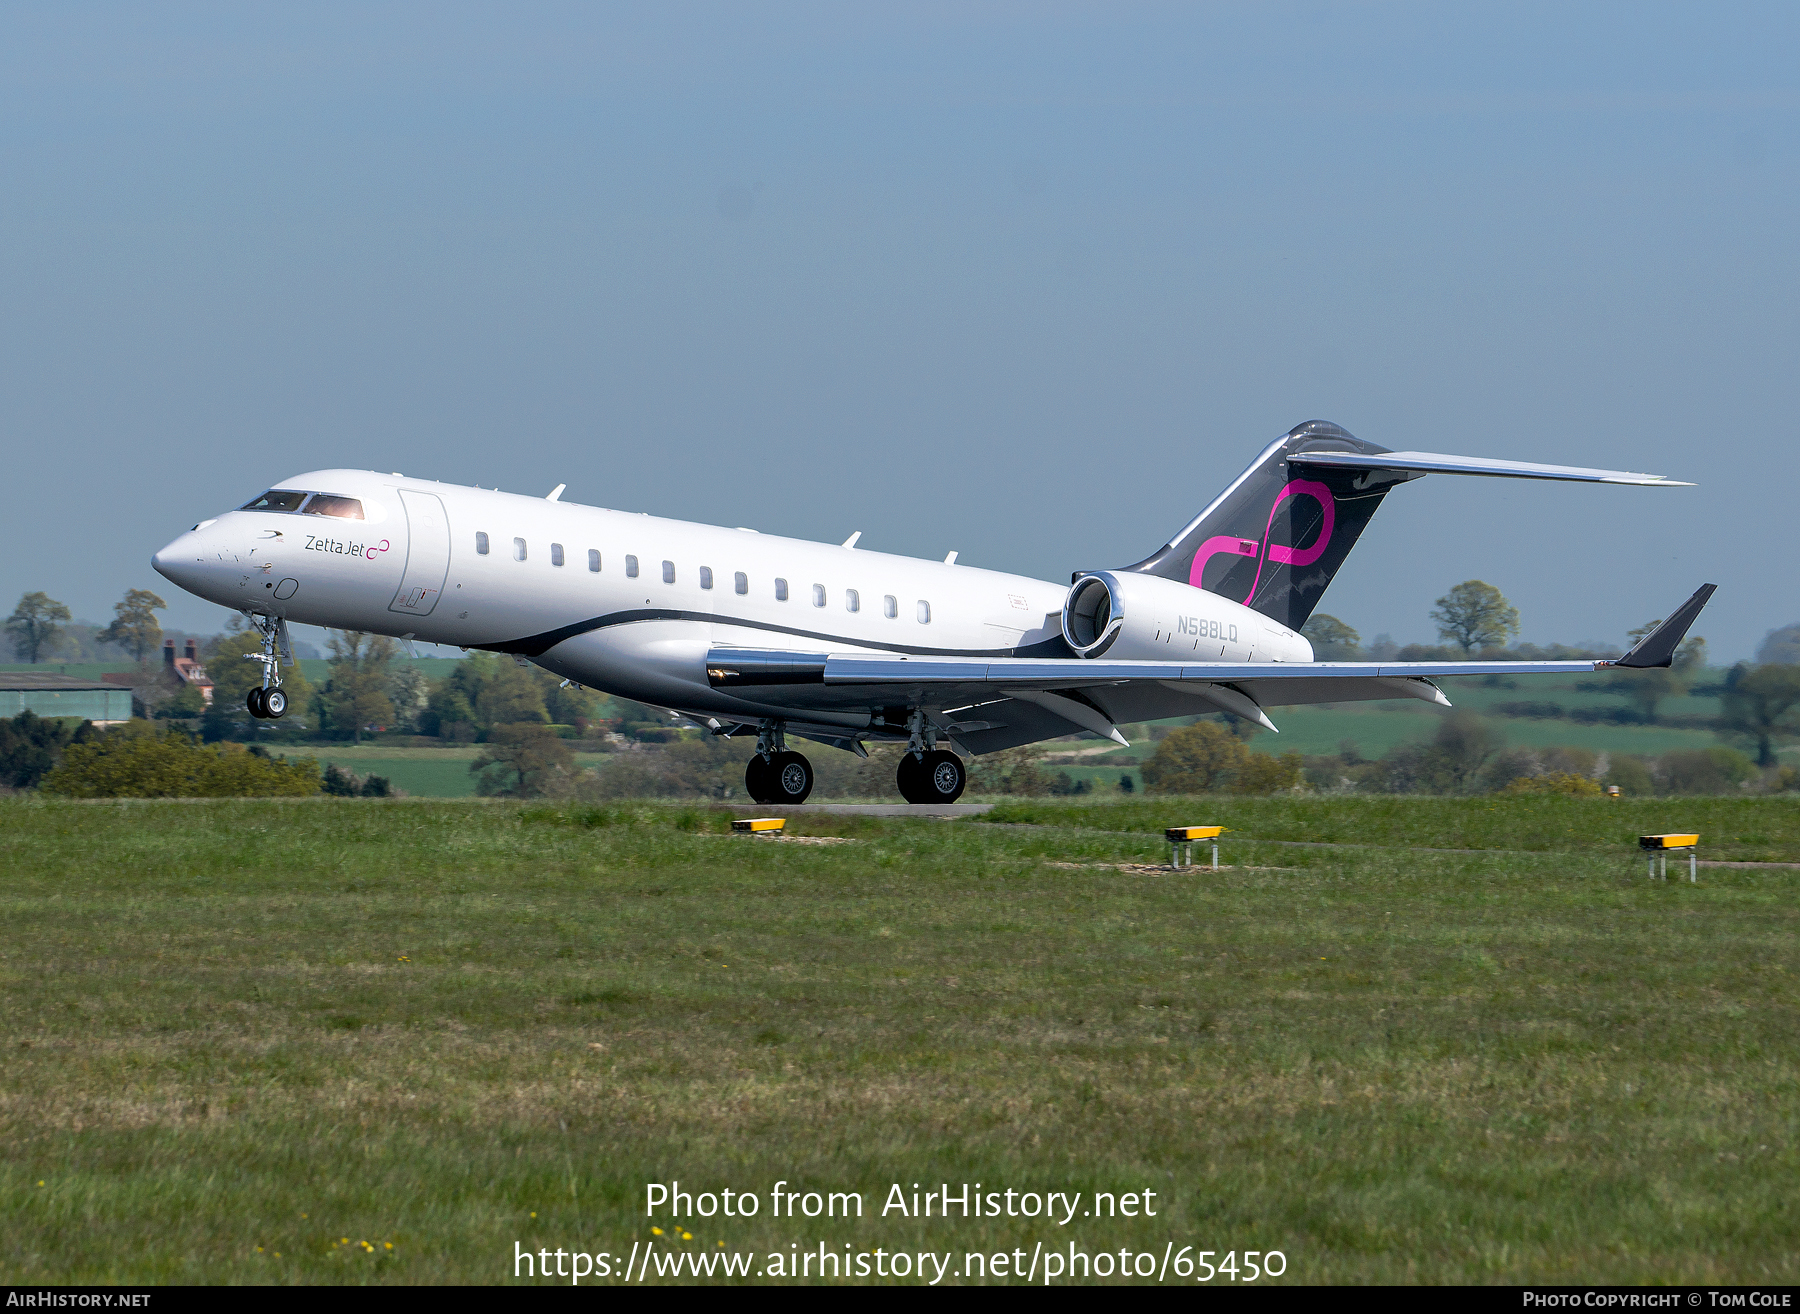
x=244 y=1038
x=422 y=772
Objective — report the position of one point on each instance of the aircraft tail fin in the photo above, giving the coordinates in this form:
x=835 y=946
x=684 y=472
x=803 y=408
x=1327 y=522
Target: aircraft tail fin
x=1278 y=533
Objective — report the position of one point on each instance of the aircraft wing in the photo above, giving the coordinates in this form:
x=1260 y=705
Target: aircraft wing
x=985 y=696
x=990 y=703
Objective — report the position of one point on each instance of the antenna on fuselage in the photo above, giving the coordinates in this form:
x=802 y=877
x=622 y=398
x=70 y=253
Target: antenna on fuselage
x=555 y=493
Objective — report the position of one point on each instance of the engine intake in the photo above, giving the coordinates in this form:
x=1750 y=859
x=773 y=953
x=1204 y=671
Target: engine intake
x=1093 y=614
x=1133 y=617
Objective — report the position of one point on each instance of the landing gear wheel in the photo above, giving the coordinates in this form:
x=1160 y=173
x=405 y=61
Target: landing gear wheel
x=757 y=782
x=909 y=776
x=938 y=777
x=790 y=778
x=945 y=776
x=254 y=701
x=274 y=704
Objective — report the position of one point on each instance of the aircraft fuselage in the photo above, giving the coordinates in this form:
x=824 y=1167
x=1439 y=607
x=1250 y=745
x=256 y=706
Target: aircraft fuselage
x=630 y=603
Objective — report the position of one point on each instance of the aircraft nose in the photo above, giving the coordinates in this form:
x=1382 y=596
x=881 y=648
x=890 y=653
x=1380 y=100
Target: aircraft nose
x=180 y=562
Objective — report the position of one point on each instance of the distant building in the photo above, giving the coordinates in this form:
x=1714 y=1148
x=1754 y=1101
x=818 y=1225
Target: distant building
x=187 y=668
x=63 y=695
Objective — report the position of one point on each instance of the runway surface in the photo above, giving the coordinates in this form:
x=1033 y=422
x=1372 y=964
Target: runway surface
x=945 y=810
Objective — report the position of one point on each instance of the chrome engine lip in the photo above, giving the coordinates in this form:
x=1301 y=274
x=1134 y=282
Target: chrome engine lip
x=1115 y=620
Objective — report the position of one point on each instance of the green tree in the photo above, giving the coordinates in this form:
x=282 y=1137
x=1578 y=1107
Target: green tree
x=1196 y=759
x=1452 y=763
x=1761 y=706
x=356 y=696
x=36 y=625
x=1332 y=640
x=510 y=695
x=570 y=706
x=1475 y=615
x=450 y=707
x=409 y=690
x=31 y=745
x=137 y=761
x=134 y=625
x=1715 y=770
x=522 y=761
x=1264 y=773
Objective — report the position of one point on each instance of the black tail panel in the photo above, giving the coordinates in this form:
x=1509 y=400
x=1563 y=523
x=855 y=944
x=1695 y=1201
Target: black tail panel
x=1277 y=535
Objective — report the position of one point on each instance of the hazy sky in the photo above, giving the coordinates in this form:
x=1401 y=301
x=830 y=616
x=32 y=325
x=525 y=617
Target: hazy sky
x=1028 y=281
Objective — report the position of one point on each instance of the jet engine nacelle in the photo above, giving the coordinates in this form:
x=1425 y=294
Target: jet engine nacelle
x=1126 y=616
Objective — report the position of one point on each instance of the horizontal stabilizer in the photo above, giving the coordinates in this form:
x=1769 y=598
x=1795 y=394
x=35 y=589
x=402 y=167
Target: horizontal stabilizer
x=1438 y=463
x=1657 y=648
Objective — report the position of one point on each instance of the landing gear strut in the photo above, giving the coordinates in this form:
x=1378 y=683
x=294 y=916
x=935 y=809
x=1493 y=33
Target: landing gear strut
x=267 y=702
x=777 y=774
x=927 y=773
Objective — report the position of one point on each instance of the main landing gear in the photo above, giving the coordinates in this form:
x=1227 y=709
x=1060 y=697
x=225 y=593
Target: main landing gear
x=777 y=774
x=927 y=773
x=267 y=702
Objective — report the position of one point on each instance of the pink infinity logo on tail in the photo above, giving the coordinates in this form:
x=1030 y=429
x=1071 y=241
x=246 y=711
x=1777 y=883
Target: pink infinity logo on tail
x=1275 y=552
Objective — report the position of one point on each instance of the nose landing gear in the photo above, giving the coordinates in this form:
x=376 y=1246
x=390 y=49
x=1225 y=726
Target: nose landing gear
x=777 y=774
x=267 y=702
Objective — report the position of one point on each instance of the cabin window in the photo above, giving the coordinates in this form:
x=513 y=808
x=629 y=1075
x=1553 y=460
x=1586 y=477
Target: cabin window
x=890 y=606
x=276 y=499
x=556 y=555
x=741 y=582
x=327 y=504
x=630 y=567
x=668 y=572
x=852 y=600
x=594 y=560
x=518 y=549
x=481 y=544
x=781 y=590
x=818 y=595
x=924 y=612
x=706 y=577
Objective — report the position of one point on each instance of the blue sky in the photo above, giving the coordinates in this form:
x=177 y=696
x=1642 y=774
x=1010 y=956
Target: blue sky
x=1027 y=281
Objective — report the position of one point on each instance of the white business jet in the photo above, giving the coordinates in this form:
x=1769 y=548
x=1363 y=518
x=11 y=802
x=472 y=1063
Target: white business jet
x=748 y=634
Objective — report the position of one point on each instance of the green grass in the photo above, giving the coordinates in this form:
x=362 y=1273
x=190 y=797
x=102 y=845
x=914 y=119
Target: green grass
x=421 y=772
x=241 y=1024
x=1731 y=829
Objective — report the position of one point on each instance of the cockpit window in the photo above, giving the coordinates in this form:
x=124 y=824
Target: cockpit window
x=327 y=504
x=276 y=499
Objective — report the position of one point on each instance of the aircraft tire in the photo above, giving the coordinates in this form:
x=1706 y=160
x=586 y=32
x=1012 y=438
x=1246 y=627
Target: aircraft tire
x=274 y=704
x=790 y=778
x=908 y=777
x=757 y=782
x=254 y=701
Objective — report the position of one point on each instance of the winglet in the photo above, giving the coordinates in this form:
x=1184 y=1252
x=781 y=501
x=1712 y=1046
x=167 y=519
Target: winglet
x=1657 y=648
